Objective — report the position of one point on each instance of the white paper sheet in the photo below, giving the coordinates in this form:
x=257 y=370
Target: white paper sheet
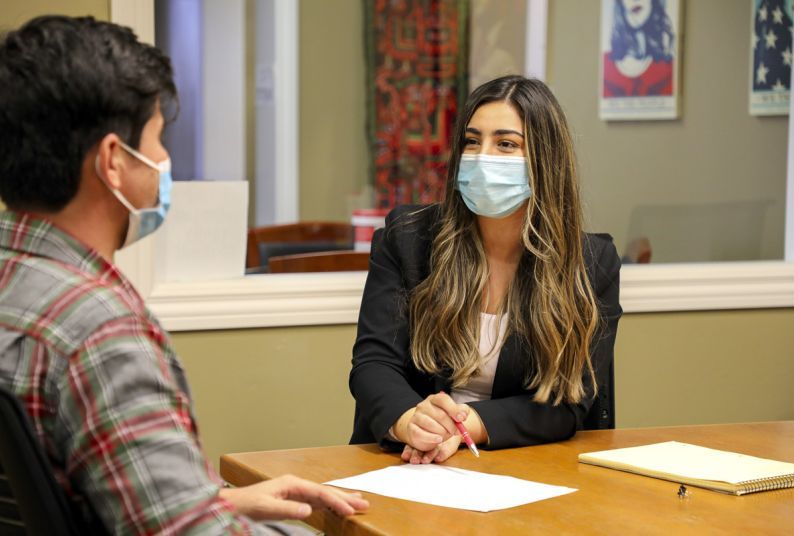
x=451 y=487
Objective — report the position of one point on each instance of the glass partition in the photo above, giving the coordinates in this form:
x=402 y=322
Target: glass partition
x=708 y=186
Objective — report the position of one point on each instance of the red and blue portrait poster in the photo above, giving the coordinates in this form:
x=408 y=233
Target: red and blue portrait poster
x=640 y=51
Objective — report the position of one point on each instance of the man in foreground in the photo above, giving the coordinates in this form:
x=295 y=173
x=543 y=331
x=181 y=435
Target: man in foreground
x=83 y=173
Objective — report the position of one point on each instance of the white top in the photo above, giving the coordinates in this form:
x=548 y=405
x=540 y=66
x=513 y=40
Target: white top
x=479 y=387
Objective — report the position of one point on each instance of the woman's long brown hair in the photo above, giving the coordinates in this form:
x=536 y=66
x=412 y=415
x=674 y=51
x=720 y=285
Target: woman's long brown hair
x=551 y=305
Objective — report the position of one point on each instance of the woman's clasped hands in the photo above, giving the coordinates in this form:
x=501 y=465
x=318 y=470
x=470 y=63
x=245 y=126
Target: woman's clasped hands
x=429 y=431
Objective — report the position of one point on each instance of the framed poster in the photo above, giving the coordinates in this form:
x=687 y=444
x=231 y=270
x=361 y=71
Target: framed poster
x=640 y=51
x=770 y=45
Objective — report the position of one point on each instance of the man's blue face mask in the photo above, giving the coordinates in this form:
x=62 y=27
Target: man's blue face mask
x=145 y=221
x=493 y=186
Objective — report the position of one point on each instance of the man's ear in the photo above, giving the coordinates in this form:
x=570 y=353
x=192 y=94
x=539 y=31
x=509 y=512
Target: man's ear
x=109 y=161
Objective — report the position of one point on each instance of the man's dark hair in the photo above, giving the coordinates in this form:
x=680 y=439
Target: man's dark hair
x=65 y=83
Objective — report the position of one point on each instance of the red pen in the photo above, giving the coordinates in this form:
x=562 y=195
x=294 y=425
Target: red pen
x=467 y=438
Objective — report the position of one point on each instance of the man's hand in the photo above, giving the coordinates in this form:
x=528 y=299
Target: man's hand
x=290 y=497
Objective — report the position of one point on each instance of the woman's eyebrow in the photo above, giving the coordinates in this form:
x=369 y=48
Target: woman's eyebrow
x=502 y=132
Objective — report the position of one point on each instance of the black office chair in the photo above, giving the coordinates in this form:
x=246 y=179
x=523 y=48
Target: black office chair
x=295 y=239
x=602 y=412
x=31 y=501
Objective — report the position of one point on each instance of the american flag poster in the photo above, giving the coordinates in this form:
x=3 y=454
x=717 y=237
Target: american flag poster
x=640 y=54
x=770 y=79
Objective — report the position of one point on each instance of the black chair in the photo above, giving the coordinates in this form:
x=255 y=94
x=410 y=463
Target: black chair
x=602 y=412
x=295 y=239
x=31 y=501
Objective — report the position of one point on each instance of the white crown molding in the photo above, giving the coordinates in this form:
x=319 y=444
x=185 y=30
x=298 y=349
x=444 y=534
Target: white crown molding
x=334 y=298
x=706 y=286
x=259 y=301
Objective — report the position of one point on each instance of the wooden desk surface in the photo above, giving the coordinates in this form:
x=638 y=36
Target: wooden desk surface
x=608 y=501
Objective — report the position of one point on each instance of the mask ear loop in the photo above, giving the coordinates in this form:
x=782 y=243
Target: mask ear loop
x=140 y=156
x=162 y=167
x=114 y=191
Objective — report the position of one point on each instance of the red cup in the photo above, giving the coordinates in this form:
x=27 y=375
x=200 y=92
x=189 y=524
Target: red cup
x=365 y=221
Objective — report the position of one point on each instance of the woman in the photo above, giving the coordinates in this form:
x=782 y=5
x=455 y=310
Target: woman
x=493 y=308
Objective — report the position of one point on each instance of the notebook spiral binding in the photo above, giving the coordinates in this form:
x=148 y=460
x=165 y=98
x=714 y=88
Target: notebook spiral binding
x=770 y=483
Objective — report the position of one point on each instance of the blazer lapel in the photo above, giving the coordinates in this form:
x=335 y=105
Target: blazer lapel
x=510 y=371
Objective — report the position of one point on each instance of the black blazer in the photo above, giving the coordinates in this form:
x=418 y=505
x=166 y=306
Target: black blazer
x=384 y=381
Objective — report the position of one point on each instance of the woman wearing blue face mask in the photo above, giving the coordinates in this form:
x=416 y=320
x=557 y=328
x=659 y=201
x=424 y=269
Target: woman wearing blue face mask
x=493 y=308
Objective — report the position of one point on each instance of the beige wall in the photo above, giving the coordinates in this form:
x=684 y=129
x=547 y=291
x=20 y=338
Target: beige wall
x=716 y=152
x=287 y=387
x=497 y=44
x=270 y=388
x=332 y=149
x=705 y=367
x=15 y=12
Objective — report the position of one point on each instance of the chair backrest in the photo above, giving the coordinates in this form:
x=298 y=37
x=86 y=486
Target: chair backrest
x=293 y=238
x=602 y=412
x=327 y=261
x=31 y=501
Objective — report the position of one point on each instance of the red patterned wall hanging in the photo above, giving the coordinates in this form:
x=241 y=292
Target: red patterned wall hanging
x=417 y=78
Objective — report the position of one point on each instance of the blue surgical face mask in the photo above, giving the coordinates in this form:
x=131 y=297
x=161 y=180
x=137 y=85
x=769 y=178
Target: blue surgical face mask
x=145 y=221
x=493 y=186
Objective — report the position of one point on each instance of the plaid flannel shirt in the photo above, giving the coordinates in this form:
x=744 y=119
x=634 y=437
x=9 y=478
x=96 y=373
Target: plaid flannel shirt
x=105 y=391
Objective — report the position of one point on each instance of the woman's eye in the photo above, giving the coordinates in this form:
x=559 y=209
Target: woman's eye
x=507 y=144
x=470 y=141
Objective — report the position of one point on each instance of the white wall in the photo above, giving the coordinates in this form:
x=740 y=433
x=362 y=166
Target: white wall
x=224 y=90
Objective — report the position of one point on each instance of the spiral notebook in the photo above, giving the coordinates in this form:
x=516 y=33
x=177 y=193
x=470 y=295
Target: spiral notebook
x=683 y=463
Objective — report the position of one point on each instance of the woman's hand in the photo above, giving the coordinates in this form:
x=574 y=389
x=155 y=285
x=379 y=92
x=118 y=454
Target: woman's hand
x=431 y=422
x=439 y=454
x=429 y=430
x=290 y=497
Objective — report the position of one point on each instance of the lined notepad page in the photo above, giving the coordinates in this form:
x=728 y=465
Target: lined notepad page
x=693 y=461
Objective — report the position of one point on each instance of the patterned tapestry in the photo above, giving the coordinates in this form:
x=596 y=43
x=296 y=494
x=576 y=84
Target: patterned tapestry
x=417 y=63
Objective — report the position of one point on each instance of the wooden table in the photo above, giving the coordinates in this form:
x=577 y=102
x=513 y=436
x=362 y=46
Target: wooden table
x=608 y=501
